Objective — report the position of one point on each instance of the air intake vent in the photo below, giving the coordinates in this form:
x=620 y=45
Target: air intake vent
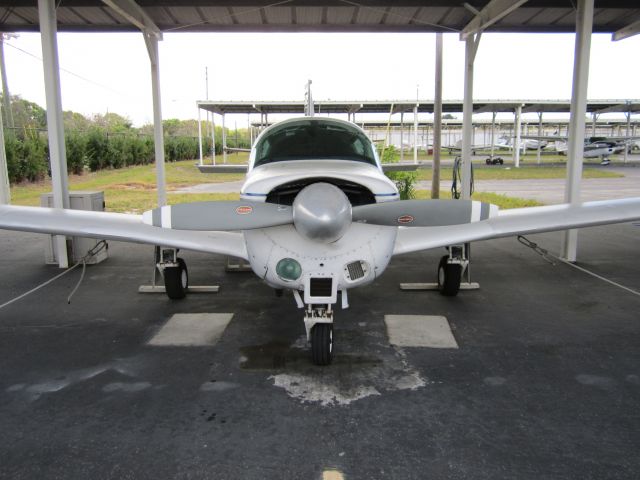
x=320 y=287
x=355 y=271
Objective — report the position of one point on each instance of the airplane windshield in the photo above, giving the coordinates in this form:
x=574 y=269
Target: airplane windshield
x=314 y=140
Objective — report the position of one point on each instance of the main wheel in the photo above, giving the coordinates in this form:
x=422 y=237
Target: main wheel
x=449 y=276
x=321 y=343
x=176 y=280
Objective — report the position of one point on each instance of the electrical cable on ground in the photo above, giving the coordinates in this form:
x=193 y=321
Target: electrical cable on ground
x=547 y=256
x=91 y=253
x=457 y=179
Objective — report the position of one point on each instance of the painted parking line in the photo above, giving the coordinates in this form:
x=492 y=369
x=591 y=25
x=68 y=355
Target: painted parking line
x=192 y=329
x=430 y=331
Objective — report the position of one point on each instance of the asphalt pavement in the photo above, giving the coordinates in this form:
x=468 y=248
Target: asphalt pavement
x=545 y=382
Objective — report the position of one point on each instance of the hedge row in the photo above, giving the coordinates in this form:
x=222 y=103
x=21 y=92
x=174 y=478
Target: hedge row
x=28 y=155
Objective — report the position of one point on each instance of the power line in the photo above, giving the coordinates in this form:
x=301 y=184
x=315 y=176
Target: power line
x=88 y=80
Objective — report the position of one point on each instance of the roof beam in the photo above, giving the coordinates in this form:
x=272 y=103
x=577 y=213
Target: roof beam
x=626 y=32
x=490 y=14
x=135 y=15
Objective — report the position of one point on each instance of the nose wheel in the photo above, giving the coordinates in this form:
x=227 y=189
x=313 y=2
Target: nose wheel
x=318 y=321
x=322 y=343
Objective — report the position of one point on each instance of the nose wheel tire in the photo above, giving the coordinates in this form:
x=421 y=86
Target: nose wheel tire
x=449 y=276
x=322 y=343
x=176 y=280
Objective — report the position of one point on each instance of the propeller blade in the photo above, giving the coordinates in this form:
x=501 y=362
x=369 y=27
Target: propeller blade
x=424 y=213
x=220 y=216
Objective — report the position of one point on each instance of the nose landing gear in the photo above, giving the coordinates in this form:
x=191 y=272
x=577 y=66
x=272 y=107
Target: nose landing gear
x=318 y=321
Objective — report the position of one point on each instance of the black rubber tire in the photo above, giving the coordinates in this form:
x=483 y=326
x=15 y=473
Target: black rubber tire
x=176 y=280
x=449 y=277
x=322 y=344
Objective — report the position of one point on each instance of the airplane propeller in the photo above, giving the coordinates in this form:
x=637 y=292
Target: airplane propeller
x=321 y=212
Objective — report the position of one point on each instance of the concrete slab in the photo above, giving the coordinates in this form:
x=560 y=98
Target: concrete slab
x=545 y=384
x=430 y=331
x=192 y=330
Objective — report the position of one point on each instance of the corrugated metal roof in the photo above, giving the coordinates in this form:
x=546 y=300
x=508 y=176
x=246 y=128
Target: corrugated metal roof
x=450 y=106
x=318 y=16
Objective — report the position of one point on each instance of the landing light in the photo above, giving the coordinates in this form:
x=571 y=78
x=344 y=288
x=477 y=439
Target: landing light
x=288 y=269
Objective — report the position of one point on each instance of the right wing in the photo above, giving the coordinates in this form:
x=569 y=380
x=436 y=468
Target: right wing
x=117 y=226
x=520 y=221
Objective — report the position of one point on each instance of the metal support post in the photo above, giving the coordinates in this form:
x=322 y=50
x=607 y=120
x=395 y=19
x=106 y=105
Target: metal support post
x=402 y=136
x=575 y=142
x=158 y=138
x=538 y=159
x=437 y=120
x=626 y=145
x=493 y=132
x=471 y=47
x=214 y=153
x=5 y=189
x=224 y=140
x=415 y=134
x=594 y=119
x=516 y=144
x=55 y=125
x=200 y=135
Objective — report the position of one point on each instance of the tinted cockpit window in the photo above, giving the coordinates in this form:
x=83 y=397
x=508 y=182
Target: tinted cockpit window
x=313 y=140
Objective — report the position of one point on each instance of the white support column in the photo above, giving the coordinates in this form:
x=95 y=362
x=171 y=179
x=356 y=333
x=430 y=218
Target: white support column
x=415 y=134
x=437 y=120
x=575 y=142
x=594 y=120
x=516 y=143
x=5 y=189
x=471 y=47
x=200 y=135
x=55 y=126
x=539 y=160
x=493 y=132
x=158 y=135
x=626 y=145
x=402 y=136
x=213 y=138
x=224 y=140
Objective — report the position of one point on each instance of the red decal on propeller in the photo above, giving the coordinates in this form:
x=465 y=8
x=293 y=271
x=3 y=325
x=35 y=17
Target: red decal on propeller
x=405 y=219
x=244 y=210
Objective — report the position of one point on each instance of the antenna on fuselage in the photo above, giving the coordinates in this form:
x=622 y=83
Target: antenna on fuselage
x=308 y=101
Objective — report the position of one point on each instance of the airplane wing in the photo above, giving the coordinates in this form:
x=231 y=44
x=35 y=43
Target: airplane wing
x=551 y=138
x=519 y=221
x=117 y=226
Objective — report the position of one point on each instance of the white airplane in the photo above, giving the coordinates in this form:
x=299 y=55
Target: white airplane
x=317 y=216
x=594 y=147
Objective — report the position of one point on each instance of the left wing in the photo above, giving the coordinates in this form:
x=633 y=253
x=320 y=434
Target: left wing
x=520 y=221
x=117 y=226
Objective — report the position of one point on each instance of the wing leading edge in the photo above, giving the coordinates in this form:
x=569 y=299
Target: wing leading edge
x=117 y=226
x=520 y=221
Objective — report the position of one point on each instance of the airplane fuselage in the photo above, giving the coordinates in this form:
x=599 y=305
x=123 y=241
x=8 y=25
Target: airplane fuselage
x=304 y=256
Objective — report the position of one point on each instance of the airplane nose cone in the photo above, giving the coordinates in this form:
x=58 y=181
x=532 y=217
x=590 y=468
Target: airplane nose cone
x=322 y=212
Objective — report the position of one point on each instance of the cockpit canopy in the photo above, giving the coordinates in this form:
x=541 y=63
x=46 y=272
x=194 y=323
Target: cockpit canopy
x=314 y=139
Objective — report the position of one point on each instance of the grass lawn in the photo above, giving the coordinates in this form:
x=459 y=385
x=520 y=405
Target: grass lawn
x=502 y=201
x=506 y=172
x=133 y=189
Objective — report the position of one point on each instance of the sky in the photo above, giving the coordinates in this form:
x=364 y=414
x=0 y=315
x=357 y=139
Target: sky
x=110 y=72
